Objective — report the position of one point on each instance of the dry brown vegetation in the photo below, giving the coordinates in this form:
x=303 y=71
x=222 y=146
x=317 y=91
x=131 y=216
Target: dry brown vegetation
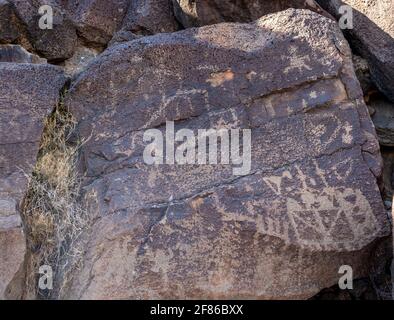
x=53 y=220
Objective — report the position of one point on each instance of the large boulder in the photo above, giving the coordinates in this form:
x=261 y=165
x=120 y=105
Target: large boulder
x=196 y=13
x=309 y=204
x=93 y=21
x=372 y=36
x=28 y=93
x=97 y=20
x=147 y=17
x=55 y=44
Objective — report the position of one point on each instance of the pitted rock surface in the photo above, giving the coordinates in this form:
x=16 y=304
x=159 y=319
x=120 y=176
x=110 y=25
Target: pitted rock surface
x=197 y=13
x=309 y=204
x=28 y=93
x=372 y=36
x=148 y=17
x=97 y=20
x=93 y=22
x=17 y=54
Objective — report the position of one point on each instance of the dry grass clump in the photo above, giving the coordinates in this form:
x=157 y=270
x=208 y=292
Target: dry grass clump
x=52 y=217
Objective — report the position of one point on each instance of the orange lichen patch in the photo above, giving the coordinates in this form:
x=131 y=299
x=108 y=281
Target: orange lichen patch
x=196 y=203
x=218 y=78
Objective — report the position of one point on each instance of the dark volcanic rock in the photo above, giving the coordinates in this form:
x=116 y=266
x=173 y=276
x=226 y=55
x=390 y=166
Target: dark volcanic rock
x=383 y=119
x=97 y=20
x=17 y=54
x=388 y=175
x=54 y=44
x=81 y=58
x=363 y=74
x=372 y=37
x=9 y=23
x=362 y=290
x=123 y=36
x=28 y=93
x=94 y=21
x=147 y=17
x=309 y=204
x=196 y=13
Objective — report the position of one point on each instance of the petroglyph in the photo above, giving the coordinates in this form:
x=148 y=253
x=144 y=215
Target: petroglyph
x=168 y=102
x=320 y=214
x=297 y=63
x=310 y=197
x=293 y=101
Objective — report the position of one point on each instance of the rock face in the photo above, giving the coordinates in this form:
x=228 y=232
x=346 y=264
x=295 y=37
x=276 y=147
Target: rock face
x=196 y=13
x=364 y=76
x=54 y=44
x=372 y=36
x=9 y=30
x=146 y=17
x=97 y=20
x=388 y=175
x=93 y=21
x=17 y=54
x=309 y=204
x=28 y=93
x=81 y=58
x=383 y=119
x=149 y=17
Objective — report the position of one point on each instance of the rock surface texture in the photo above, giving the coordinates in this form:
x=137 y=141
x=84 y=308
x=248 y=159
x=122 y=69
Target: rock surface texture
x=383 y=119
x=28 y=93
x=309 y=204
x=97 y=20
x=372 y=36
x=148 y=17
x=197 y=13
x=17 y=54
x=93 y=22
x=9 y=23
x=54 y=44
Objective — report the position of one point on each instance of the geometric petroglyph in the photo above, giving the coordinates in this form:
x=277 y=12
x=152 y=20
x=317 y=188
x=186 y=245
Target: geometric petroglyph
x=332 y=215
x=321 y=216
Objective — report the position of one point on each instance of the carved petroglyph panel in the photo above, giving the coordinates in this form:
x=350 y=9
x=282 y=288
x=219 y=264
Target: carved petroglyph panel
x=293 y=101
x=195 y=231
x=321 y=214
x=320 y=209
